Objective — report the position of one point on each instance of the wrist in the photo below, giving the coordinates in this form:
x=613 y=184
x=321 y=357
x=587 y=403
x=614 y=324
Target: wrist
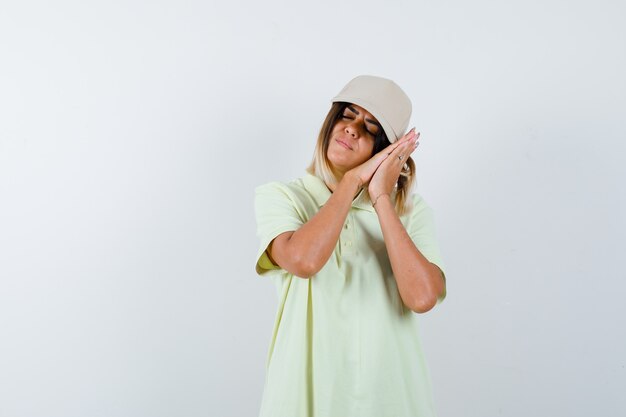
x=379 y=197
x=353 y=179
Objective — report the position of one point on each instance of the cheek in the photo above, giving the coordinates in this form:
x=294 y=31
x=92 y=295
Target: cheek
x=368 y=147
x=336 y=129
x=365 y=151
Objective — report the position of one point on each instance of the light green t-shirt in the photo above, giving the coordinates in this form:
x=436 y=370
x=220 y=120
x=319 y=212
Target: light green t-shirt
x=344 y=344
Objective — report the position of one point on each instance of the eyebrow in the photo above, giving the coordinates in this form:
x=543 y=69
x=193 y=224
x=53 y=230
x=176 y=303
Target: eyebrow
x=367 y=120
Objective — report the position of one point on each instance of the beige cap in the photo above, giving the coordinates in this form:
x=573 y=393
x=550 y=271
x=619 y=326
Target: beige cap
x=384 y=99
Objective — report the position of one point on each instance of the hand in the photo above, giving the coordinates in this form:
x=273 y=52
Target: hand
x=387 y=173
x=365 y=171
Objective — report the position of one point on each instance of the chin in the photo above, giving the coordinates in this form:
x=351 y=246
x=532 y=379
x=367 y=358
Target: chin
x=341 y=166
x=336 y=164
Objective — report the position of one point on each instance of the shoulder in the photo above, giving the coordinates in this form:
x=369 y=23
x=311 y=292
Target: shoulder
x=417 y=206
x=292 y=193
x=420 y=214
x=278 y=188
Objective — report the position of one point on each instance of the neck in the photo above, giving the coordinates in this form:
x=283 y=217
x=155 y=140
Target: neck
x=338 y=173
x=333 y=186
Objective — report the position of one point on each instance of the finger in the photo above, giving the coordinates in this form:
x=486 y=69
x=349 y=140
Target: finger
x=399 y=155
x=409 y=151
x=396 y=151
x=414 y=144
x=408 y=134
x=389 y=148
x=404 y=139
x=407 y=137
x=380 y=158
x=404 y=148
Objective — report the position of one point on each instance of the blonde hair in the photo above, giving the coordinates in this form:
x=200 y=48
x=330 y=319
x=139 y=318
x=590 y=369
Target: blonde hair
x=320 y=165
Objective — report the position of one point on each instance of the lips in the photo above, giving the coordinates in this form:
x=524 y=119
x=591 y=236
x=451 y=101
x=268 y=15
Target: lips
x=344 y=144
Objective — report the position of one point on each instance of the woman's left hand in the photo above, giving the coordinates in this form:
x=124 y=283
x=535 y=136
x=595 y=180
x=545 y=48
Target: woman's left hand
x=386 y=176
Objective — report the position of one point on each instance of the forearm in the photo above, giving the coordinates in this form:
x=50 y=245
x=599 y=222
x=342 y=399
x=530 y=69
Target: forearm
x=419 y=281
x=314 y=242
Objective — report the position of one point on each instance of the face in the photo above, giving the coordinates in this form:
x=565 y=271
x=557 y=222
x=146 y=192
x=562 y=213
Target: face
x=352 y=138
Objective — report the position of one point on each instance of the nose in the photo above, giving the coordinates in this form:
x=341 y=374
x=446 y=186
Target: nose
x=352 y=130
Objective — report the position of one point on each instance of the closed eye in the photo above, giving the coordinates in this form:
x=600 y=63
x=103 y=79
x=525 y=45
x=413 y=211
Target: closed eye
x=343 y=116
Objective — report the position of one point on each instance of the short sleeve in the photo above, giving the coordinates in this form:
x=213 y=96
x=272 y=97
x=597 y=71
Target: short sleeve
x=422 y=230
x=275 y=213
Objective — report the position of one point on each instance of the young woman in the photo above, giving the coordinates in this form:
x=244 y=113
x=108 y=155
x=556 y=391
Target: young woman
x=353 y=256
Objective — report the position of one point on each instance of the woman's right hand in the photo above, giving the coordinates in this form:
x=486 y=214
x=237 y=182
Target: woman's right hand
x=365 y=171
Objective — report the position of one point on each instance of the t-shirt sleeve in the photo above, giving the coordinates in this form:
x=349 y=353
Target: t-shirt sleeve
x=421 y=228
x=275 y=213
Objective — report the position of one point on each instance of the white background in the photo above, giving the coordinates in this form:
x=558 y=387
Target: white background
x=132 y=135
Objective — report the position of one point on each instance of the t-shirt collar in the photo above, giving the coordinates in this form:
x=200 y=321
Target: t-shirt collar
x=320 y=193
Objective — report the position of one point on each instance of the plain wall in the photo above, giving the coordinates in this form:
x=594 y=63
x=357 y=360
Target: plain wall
x=132 y=135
